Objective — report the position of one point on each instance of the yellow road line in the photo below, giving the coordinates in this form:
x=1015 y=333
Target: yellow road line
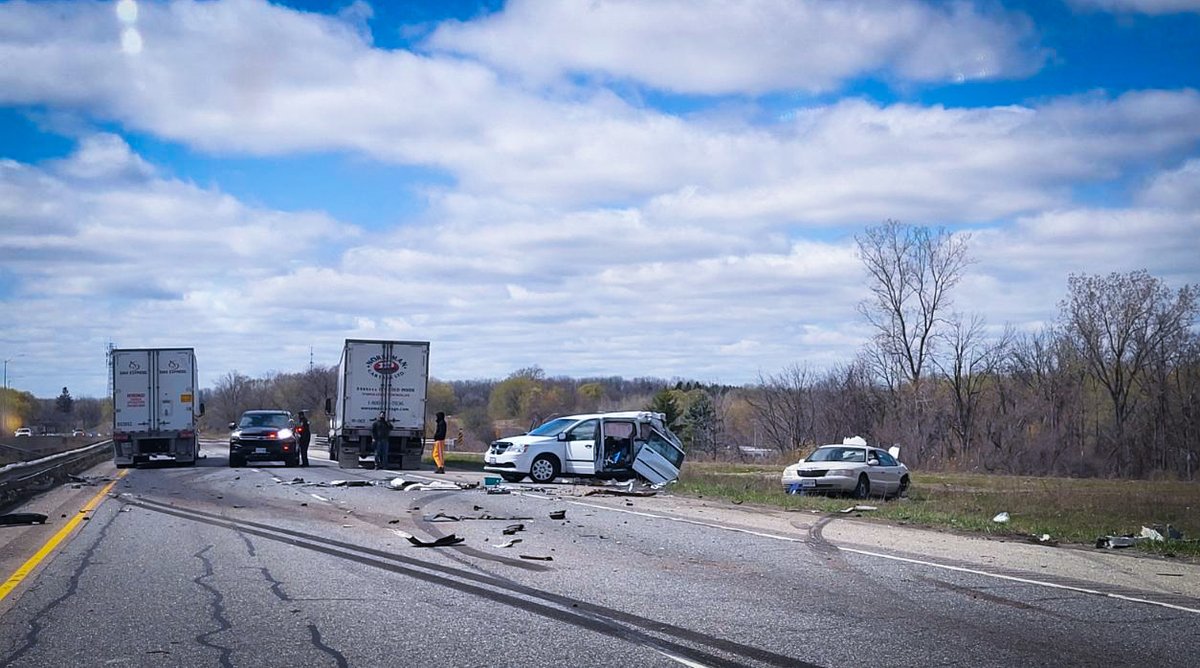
x=26 y=568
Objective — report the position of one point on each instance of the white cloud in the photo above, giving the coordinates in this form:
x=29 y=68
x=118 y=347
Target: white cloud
x=719 y=47
x=1138 y=6
x=1176 y=189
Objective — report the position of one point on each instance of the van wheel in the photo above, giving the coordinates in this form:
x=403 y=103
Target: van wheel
x=543 y=469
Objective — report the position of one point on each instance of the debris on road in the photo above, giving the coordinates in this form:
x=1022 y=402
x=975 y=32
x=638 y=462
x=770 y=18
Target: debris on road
x=558 y=515
x=853 y=509
x=1000 y=518
x=1158 y=532
x=350 y=483
x=418 y=486
x=441 y=517
x=619 y=492
x=1113 y=542
x=536 y=558
x=498 y=489
x=509 y=543
x=23 y=518
x=512 y=529
x=444 y=541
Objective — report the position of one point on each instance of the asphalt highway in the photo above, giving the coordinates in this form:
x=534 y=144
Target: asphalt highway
x=274 y=566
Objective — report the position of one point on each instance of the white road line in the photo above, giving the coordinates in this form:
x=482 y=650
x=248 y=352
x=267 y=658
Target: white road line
x=680 y=659
x=1014 y=578
x=793 y=539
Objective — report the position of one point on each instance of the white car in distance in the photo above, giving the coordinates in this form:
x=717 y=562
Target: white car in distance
x=850 y=468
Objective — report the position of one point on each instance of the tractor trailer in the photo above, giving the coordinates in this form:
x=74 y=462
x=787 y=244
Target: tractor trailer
x=389 y=377
x=154 y=406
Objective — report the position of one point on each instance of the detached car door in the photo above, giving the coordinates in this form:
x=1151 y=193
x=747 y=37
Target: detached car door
x=658 y=460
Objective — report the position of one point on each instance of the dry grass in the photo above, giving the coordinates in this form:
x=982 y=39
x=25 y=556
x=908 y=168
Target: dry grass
x=1069 y=510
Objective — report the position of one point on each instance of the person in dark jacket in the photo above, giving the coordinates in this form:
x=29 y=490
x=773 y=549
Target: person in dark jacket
x=381 y=429
x=439 y=443
x=303 y=436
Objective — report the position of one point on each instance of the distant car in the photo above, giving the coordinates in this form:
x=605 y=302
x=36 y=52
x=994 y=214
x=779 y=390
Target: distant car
x=850 y=468
x=23 y=431
x=78 y=432
x=263 y=435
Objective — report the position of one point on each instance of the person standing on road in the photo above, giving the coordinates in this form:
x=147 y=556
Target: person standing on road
x=303 y=436
x=439 y=443
x=381 y=429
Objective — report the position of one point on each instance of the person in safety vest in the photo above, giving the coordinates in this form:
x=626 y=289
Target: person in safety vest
x=439 y=443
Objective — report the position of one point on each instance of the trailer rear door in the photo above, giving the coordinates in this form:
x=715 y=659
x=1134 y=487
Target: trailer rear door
x=132 y=397
x=175 y=390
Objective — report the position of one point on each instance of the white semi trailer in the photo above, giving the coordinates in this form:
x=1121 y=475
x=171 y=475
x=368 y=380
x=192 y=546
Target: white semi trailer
x=389 y=377
x=155 y=406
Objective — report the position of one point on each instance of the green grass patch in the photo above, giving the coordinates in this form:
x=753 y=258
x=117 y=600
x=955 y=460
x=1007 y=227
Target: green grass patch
x=1069 y=510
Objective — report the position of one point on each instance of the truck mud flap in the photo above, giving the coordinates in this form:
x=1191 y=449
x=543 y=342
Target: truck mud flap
x=348 y=458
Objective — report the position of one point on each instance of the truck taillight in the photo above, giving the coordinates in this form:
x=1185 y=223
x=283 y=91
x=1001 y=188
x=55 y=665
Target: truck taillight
x=120 y=437
x=187 y=433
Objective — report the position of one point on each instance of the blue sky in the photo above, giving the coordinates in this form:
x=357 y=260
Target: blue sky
x=656 y=188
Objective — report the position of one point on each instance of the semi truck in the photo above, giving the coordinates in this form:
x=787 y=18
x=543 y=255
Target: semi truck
x=389 y=377
x=155 y=406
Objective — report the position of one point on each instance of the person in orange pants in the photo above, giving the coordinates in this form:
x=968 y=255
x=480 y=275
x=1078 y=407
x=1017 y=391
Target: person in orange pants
x=439 y=443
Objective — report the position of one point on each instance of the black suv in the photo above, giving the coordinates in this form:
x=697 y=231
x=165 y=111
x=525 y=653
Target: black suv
x=263 y=436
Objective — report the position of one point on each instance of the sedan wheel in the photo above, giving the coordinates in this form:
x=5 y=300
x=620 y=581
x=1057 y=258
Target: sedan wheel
x=903 y=491
x=543 y=469
x=863 y=490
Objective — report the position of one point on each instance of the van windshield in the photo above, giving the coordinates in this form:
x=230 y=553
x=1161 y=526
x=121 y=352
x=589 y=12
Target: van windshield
x=553 y=427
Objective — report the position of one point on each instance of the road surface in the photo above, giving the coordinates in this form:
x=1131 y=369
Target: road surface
x=216 y=566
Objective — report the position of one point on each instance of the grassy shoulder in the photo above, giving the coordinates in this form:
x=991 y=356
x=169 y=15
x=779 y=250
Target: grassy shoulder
x=1069 y=510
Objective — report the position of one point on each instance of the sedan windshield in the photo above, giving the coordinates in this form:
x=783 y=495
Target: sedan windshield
x=838 y=454
x=553 y=427
x=277 y=420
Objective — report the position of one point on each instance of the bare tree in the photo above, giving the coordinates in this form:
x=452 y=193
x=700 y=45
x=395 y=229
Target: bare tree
x=971 y=364
x=785 y=408
x=1119 y=323
x=911 y=272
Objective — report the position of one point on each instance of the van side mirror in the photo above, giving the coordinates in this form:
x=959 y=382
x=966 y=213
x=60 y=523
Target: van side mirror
x=232 y=425
x=328 y=406
x=201 y=410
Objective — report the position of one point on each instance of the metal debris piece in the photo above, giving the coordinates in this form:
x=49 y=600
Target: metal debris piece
x=350 y=483
x=441 y=517
x=536 y=558
x=1113 y=542
x=444 y=541
x=854 y=509
x=619 y=492
x=509 y=543
x=512 y=529
x=558 y=515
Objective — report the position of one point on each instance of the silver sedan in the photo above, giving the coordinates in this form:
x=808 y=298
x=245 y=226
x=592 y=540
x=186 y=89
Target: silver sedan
x=854 y=469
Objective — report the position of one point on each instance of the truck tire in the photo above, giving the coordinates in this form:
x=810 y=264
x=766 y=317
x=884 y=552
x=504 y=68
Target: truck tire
x=333 y=449
x=544 y=468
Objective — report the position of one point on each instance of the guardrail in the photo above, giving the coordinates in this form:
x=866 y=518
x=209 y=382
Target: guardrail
x=20 y=479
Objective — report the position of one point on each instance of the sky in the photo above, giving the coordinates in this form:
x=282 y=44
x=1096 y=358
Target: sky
x=651 y=188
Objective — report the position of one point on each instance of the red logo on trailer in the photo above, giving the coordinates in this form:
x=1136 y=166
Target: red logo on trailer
x=386 y=367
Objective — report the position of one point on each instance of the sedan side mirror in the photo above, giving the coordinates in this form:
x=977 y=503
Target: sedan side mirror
x=872 y=462
x=562 y=436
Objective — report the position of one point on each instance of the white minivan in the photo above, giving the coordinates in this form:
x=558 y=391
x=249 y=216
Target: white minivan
x=596 y=445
